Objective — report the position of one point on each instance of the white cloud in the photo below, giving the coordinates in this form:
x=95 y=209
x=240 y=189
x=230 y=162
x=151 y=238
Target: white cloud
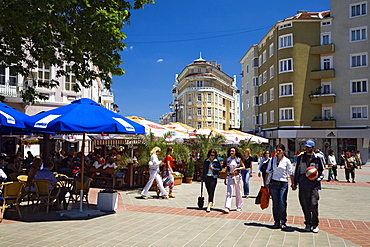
x=160 y=60
x=128 y=48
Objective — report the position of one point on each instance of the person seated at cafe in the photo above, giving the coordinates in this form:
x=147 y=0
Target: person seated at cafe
x=3 y=162
x=47 y=174
x=35 y=166
x=3 y=176
x=65 y=166
x=29 y=158
x=14 y=165
x=110 y=163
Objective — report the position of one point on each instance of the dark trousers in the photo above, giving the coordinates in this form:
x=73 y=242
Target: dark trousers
x=211 y=183
x=279 y=193
x=348 y=172
x=335 y=172
x=309 y=200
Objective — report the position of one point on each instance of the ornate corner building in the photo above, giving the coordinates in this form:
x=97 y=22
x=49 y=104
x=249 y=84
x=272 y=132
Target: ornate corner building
x=208 y=96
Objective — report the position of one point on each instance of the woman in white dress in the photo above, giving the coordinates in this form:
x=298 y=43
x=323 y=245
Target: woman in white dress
x=154 y=164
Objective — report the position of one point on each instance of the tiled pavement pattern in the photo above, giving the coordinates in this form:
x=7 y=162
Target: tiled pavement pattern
x=344 y=221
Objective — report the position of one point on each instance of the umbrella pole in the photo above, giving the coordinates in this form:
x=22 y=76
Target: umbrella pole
x=82 y=172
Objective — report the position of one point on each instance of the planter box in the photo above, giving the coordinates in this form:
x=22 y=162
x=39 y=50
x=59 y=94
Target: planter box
x=178 y=180
x=107 y=201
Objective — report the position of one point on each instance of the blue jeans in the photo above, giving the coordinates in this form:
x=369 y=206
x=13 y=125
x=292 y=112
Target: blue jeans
x=246 y=174
x=279 y=193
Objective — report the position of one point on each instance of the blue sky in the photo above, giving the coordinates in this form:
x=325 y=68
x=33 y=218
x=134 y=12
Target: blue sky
x=166 y=36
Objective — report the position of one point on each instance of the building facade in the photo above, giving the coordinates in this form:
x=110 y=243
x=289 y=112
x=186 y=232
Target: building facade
x=307 y=79
x=208 y=97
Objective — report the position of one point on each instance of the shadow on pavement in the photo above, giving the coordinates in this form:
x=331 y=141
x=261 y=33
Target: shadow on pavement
x=269 y=226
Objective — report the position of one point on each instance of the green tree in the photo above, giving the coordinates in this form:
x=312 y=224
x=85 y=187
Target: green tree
x=203 y=143
x=84 y=33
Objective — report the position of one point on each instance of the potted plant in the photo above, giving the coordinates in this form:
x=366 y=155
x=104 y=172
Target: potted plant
x=107 y=200
x=189 y=172
x=178 y=178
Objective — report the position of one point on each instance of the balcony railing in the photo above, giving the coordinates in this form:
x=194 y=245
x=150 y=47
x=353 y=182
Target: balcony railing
x=323 y=98
x=322 y=49
x=322 y=74
x=323 y=123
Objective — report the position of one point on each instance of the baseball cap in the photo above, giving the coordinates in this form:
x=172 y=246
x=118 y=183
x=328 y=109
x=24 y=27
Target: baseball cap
x=310 y=143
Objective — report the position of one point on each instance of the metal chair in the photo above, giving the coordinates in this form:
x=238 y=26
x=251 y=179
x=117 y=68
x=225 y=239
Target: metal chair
x=74 y=194
x=11 y=196
x=46 y=193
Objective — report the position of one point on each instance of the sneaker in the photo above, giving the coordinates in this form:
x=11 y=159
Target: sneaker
x=348 y=181
x=353 y=181
x=315 y=229
x=144 y=197
x=307 y=228
x=283 y=227
x=238 y=209
x=165 y=197
x=226 y=210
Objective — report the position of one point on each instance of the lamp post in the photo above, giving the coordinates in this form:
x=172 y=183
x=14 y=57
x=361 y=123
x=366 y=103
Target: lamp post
x=176 y=106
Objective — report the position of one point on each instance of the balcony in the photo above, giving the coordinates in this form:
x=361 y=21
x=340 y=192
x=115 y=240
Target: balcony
x=106 y=96
x=323 y=98
x=322 y=74
x=323 y=123
x=322 y=49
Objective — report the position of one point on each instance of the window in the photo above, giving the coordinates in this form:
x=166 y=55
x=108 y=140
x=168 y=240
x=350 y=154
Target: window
x=326 y=63
x=271 y=94
x=359 y=112
x=285 y=41
x=326 y=112
x=247 y=104
x=260 y=118
x=254 y=120
x=264 y=77
x=272 y=116
x=256 y=100
x=255 y=62
x=358 y=9
x=209 y=111
x=207 y=70
x=70 y=79
x=199 y=125
x=209 y=124
x=286 y=65
x=359 y=86
x=326 y=23
x=286 y=114
x=271 y=49
x=264 y=55
x=12 y=76
x=286 y=25
x=325 y=87
x=199 y=70
x=264 y=97
x=260 y=80
x=247 y=69
x=358 y=34
x=260 y=99
x=209 y=98
x=191 y=71
x=359 y=60
x=286 y=89
x=199 y=111
x=325 y=38
x=189 y=112
x=2 y=74
x=255 y=82
x=8 y=74
x=208 y=84
x=265 y=118
x=260 y=60
x=272 y=71
x=199 y=97
x=199 y=83
x=189 y=97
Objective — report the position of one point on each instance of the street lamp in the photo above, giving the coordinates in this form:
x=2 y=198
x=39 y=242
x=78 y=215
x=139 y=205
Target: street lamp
x=176 y=106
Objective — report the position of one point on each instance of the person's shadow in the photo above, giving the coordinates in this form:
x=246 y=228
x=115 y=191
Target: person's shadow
x=288 y=229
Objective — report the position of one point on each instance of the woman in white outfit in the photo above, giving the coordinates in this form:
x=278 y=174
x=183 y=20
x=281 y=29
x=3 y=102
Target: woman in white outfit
x=154 y=164
x=234 y=164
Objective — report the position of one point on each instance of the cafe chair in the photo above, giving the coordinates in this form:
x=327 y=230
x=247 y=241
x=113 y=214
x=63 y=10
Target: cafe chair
x=14 y=176
x=11 y=196
x=45 y=193
x=22 y=178
x=74 y=194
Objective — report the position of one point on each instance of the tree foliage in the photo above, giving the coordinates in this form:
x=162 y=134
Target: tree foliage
x=84 y=33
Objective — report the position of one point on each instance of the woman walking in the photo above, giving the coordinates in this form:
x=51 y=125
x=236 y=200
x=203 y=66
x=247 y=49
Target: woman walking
x=247 y=172
x=167 y=176
x=154 y=164
x=263 y=166
x=349 y=166
x=332 y=164
x=234 y=164
x=211 y=169
x=279 y=171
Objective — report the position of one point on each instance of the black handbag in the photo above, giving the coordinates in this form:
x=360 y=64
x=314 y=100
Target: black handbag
x=201 y=198
x=258 y=198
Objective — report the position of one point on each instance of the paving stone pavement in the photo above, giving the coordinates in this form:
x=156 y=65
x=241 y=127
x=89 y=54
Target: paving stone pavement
x=344 y=220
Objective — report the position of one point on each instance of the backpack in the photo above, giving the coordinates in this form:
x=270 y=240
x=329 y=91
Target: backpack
x=265 y=164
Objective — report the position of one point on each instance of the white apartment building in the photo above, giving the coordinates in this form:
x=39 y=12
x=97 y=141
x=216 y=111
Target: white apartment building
x=208 y=97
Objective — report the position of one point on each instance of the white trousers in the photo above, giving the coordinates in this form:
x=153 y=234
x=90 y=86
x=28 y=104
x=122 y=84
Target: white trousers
x=154 y=175
x=238 y=193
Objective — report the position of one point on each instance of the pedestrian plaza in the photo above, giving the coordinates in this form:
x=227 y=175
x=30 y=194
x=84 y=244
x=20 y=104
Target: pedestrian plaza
x=343 y=207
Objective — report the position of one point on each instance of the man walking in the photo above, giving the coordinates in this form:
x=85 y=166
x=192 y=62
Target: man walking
x=309 y=189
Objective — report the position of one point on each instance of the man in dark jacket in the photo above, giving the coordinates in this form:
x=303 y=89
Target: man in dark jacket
x=309 y=189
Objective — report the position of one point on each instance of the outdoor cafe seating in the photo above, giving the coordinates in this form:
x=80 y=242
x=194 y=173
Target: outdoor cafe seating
x=11 y=193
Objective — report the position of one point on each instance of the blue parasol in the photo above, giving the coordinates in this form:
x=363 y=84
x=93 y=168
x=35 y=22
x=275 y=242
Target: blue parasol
x=81 y=116
x=11 y=118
